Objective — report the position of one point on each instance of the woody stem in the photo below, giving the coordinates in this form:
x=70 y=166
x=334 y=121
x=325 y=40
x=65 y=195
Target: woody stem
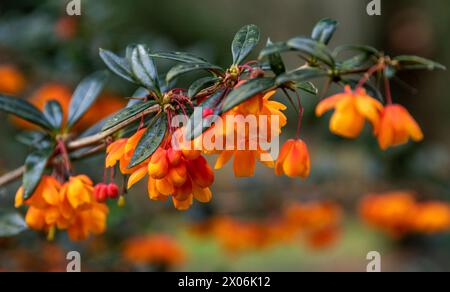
x=81 y=143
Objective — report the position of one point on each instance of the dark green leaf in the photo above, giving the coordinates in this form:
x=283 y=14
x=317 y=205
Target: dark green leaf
x=197 y=125
x=359 y=48
x=200 y=84
x=354 y=62
x=11 y=224
x=276 y=61
x=324 y=30
x=178 y=56
x=34 y=169
x=54 y=113
x=30 y=138
x=185 y=68
x=245 y=40
x=311 y=48
x=144 y=68
x=151 y=140
x=246 y=91
x=117 y=65
x=280 y=47
x=307 y=87
x=127 y=113
x=85 y=95
x=418 y=63
x=301 y=75
x=24 y=110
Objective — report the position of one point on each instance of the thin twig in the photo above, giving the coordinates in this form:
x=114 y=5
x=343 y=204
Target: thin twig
x=82 y=143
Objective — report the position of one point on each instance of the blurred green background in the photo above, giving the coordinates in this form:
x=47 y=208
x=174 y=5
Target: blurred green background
x=343 y=170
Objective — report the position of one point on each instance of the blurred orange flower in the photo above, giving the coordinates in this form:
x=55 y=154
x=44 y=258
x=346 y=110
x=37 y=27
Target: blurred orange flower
x=352 y=108
x=154 y=250
x=70 y=206
x=103 y=107
x=397 y=127
x=398 y=214
x=12 y=81
x=293 y=160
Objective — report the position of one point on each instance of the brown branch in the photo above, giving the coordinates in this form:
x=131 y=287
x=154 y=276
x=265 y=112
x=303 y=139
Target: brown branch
x=82 y=143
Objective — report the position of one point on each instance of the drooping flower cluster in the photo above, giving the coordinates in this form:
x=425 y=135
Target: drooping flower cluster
x=69 y=206
x=184 y=175
x=399 y=214
x=392 y=124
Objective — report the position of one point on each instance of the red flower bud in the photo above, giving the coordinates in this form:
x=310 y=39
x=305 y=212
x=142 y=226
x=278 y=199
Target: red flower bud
x=113 y=191
x=100 y=193
x=207 y=112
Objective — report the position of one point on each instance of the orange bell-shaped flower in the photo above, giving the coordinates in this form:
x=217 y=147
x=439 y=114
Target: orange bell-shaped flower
x=293 y=160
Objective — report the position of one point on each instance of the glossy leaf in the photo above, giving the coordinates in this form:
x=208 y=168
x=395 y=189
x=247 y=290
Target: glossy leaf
x=358 y=48
x=197 y=124
x=23 y=110
x=300 y=75
x=11 y=224
x=418 y=63
x=246 y=91
x=151 y=140
x=311 y=48
x=85 y=95
x=34 y=169
x=244 y=42
x=144 y=68
x=279 y=47
x=201 y=84
x=324 y=30
x=276 y=61
x=118 y=65
x=179 y=57
x=31 y=138
x=307 y=87
x=127 y=113
x=190 y=67
x=54 y=114
x=354 y=62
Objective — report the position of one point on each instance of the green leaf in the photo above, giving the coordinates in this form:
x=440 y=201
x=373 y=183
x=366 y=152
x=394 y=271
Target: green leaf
x=354 y=62
x=246 y=91
x=311 y=48
x=189 y=67
x=418 y=63
x=200 y=84
x=24 y=110
x=54 y=113
x=197 y=124
x=11 y=224
x=85 y=95
x=245 y=40
x=179 y=57
x=144 y=68
x=31 y=138
x=276 y=61
x=34 y=169
x=279 y=47
x=117 y=65
x=307 y=87
x=371 y=51
x=151 y=140
x=127 y=113
x=324 y=30
x=300 y=75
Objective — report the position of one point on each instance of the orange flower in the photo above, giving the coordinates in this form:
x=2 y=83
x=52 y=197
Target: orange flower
x=351 y=110
x=12 y=82
x=390 y=212
x=103 y=107
x=245 y=160
x=397 y=127
x=70 y=207
x=293 y=160
x=154 y=250
x=432 y=217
